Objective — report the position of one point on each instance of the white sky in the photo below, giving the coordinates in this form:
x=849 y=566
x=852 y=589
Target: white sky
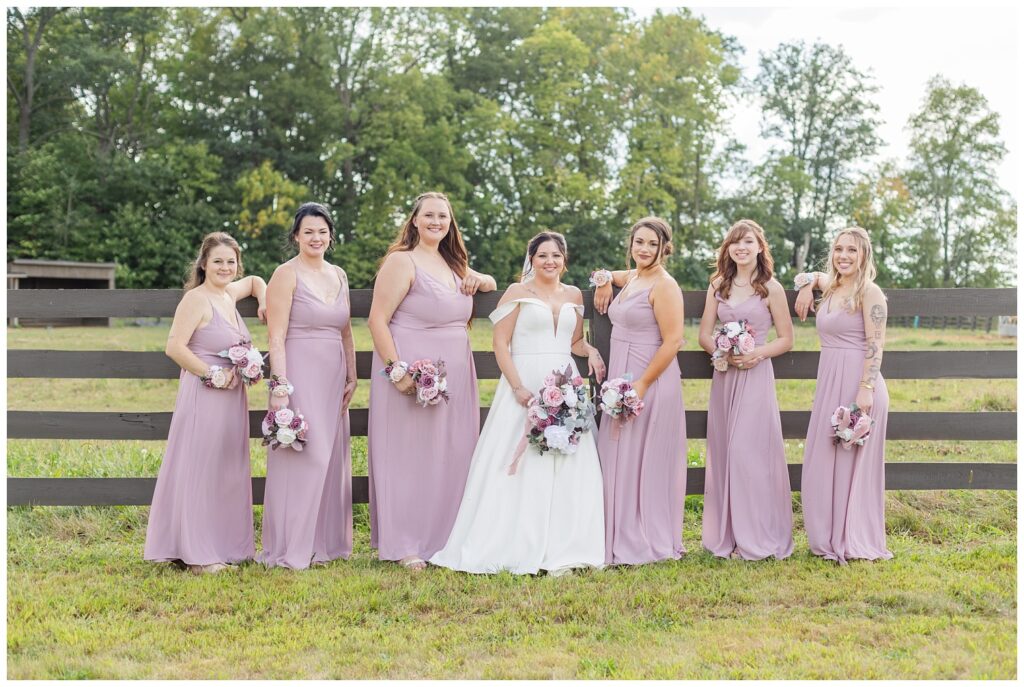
x=902 y=47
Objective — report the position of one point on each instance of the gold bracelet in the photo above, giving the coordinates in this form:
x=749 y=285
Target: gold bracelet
x=865 y=385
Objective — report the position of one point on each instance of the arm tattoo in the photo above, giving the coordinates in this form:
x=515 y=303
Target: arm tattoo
x=877 y=315
x=872 y=373
x=872 y=350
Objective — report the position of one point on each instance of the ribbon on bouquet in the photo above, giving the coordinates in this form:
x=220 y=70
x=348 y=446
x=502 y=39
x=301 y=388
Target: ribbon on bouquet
x=520 y=448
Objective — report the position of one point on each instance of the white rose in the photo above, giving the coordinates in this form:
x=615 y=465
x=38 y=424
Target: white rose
x=732 y=329
x=219 y=378
x=557 y=437
x=610 y=398
x=569 y=396
x=286 y=436
x=253 y=356
x=397 y=372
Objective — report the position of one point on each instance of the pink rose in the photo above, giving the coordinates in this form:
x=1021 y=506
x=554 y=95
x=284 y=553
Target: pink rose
x=429 y=369
x=296 y=423
x=746 y=343
x=253 y=371
x=577 y=381
x=426 y=381
x=284 y=417
x=552 y=396
x=237 y=354
x=429 y=393
x=723 y=343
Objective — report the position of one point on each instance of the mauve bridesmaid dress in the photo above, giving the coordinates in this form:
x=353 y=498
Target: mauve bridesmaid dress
x=843 y=490
x=307 y=512
x=747 y=503
x=643 y=461
x=419 y=457
x=202 y=506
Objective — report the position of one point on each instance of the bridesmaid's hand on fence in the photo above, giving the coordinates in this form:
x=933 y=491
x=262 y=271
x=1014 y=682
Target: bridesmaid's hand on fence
x=261 y=312
x=350 y=390
x=472 y=283
x=865 y=399
x=603 y=298
x=804 y=302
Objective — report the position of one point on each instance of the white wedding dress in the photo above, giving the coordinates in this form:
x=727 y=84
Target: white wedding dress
x=549 y=515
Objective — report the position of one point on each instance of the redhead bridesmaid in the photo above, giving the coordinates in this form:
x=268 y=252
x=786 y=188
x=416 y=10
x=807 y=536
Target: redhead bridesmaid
x=201 y=515
x=748 y=509
x=644 y=460
x=307 y=513
x=843 y=489
x=419 y=456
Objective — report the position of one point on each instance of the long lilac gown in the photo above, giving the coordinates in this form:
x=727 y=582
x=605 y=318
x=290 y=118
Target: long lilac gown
x=307 y=512
x=643 y=461
x=419 y=457
x=843 y=490
x=747 y=504
x=202 y=506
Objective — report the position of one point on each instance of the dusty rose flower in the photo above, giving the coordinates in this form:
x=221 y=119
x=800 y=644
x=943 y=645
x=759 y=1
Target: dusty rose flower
x=746 y=343
x=552 y=397
x=723 y=343
x=254 y=370
x=237 y=353
x=427 y=381
x=577 y=381
x=429 y=393
x=284 y=417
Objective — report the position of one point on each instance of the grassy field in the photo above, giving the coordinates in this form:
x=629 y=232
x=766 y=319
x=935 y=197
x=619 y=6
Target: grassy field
x=82 y=603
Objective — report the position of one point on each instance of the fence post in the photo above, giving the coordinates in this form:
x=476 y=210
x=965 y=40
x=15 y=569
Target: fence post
x=601 y=337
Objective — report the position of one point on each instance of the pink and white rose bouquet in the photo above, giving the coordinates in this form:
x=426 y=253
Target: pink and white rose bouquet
x=852 y=426
x=430 y=378
x=557 y=416
x=731 y=337
x=247 y=360
x=619 y=400
x=284 y=427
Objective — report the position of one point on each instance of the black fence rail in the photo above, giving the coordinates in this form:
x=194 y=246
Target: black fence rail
x=974 y=426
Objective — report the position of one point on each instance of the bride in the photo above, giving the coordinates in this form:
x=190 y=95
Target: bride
x=549 y=515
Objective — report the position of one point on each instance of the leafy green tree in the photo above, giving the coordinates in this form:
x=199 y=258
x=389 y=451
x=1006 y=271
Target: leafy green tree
x=964 y=216
x=818 y=111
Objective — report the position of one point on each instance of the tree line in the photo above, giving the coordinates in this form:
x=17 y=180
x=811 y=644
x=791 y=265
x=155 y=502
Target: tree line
x=134 y=131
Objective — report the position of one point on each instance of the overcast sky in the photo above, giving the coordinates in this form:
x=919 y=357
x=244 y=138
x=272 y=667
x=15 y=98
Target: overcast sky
x=902 y=47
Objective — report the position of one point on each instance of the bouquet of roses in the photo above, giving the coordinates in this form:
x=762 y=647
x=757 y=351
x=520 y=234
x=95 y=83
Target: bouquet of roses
x=732 y=337
x=619 y=400
x=852 y=426
x=247 y=359
x=430 y=378
x=284 y=427
x=557 y=417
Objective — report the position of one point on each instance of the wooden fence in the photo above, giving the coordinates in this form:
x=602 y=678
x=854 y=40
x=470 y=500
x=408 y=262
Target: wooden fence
x=979 y=364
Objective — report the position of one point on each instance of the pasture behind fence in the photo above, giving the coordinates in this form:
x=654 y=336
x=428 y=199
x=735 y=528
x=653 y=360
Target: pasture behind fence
x=906 y=303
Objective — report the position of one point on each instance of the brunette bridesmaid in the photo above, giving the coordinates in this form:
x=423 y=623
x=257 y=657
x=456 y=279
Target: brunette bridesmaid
x=419 y=456
x=843 y=489
x=201 y=515
x=643 y=460
x=307 y=513
x=748 y=509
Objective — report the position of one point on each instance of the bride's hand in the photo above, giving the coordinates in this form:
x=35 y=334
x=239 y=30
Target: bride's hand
x=522 y=396
x=595 y=365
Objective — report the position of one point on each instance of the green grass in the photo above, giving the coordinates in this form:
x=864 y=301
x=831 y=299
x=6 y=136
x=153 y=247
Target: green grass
x=82 y=604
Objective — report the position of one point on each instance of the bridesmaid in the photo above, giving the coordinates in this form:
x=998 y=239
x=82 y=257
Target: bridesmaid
x=644 y=460
x=307 y=513
x=748 y=511
x=419 y=457
x=202 y=507
x=844 y=489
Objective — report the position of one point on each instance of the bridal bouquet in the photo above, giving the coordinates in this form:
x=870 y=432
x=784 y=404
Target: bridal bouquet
x=284 y=427
x=619 y=400
x=852 y=426
x=732 y=337
x=557 y=417
x=430 y=378
x=247 y=360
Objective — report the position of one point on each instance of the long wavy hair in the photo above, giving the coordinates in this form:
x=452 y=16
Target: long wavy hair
x=866 y=271
x=452 y=248
x=197 y=271
x=725 y=267
x=659 y=227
